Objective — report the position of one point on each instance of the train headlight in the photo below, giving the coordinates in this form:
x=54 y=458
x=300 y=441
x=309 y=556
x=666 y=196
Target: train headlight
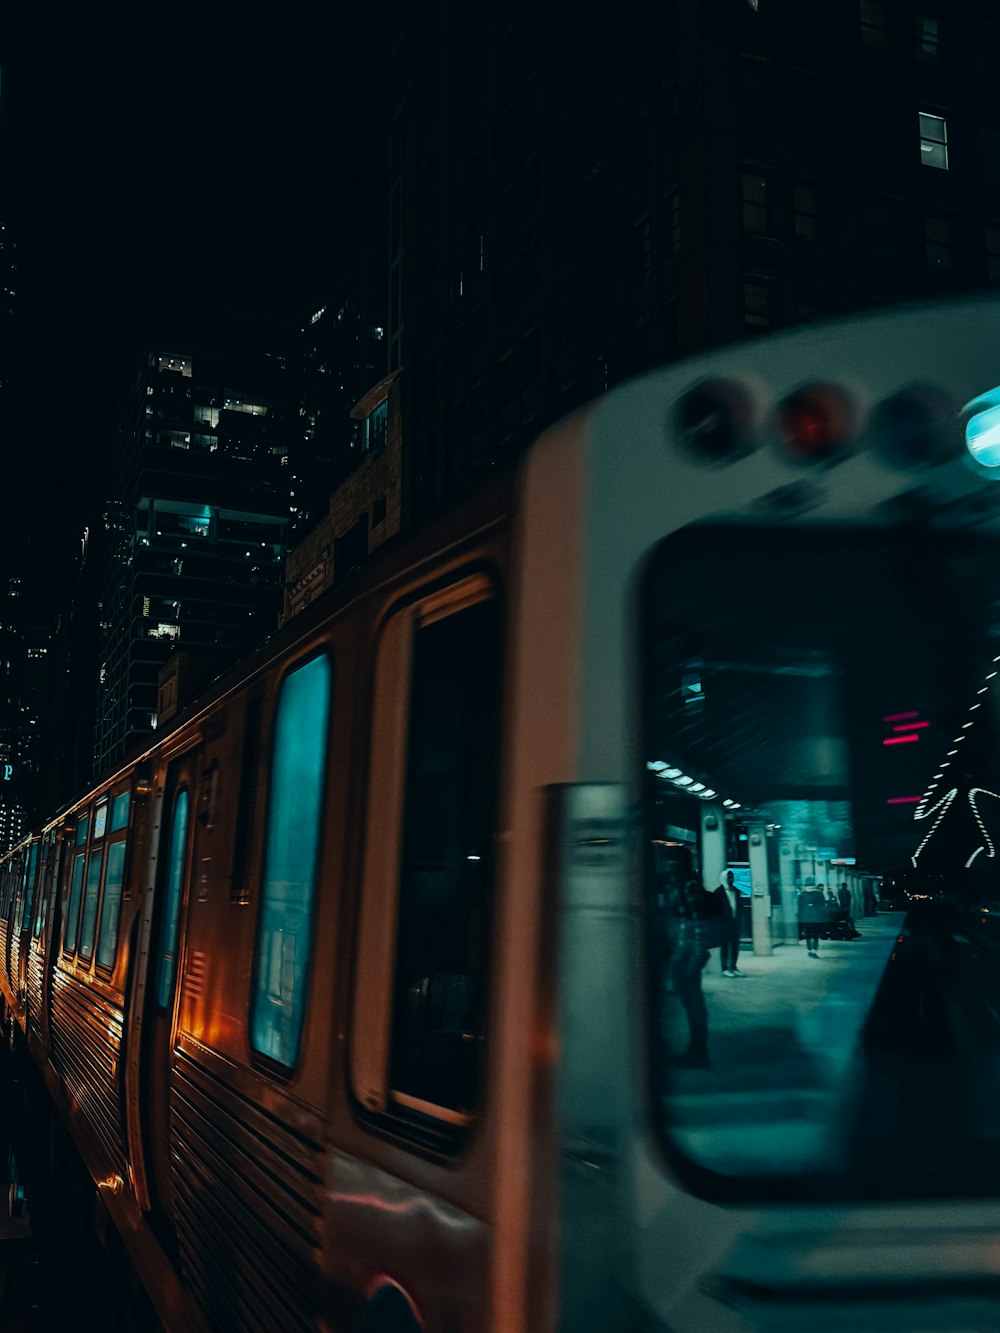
x=816 y=424
x=714 y=422
x=915 y=427
x=982 y=429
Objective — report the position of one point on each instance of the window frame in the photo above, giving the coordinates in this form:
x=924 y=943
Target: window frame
x=934 y=143
x=371 y=1036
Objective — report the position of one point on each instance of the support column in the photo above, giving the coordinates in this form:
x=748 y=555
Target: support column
x=713 y=843
x=760 y=902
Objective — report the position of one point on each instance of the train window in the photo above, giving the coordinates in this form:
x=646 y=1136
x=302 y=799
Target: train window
x=88 y=923
x=825 y=820
x=107 y=938
x=249 y=768
x=100 y=820
x=73 y=907
x=119 y=811
x=81 y=830
x=27 y=894
x=44 y=885
x=166 y=965
x=292 y=834
x=420 y=1003
x=446 y=870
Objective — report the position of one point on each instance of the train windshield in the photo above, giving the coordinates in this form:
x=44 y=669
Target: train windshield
x=821 y=710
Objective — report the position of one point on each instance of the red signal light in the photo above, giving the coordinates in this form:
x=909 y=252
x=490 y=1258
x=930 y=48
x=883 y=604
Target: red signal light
x=816 y=423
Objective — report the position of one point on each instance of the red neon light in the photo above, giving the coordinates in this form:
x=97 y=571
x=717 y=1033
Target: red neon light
x=909 y=726
x=899 y=717
x=900 y=740
x=903 y=800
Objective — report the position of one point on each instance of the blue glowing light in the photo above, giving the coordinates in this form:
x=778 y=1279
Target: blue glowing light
x=982 y=429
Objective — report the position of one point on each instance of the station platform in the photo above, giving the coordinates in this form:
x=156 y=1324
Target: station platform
x=783 y=1038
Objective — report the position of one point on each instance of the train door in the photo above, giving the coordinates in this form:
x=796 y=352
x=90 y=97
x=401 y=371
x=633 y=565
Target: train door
x=168 y=908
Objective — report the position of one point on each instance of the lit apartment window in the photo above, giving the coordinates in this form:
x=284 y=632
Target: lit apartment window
x=874 y=15
x=927 y=37
x=806 y=203
x=755 y=217
x=993 y=251
x=376 y=424
x=937 y=241
x=933 y=141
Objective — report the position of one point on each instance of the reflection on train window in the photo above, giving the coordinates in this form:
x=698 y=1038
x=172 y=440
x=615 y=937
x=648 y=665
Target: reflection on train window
x=447 y=860
x=298 y=765
x=107 y=938
x=44 y=885
x=100 y=819
x=166 y=962
x=239 y=885
x=73 y=907
x=24 y=911
x=842 y=763
x=88 y=923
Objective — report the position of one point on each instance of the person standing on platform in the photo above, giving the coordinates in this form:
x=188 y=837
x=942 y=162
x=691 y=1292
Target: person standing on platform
x=813 y=915
x=726 y=911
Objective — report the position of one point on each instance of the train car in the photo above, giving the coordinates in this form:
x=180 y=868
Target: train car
x=380 y=992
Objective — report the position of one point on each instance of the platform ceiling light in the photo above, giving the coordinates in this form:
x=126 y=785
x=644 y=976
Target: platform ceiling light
x=982 y=429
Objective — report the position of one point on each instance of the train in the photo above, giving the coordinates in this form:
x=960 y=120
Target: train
x=356 y=988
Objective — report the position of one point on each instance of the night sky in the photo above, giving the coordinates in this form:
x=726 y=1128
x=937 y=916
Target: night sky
x=160 y=160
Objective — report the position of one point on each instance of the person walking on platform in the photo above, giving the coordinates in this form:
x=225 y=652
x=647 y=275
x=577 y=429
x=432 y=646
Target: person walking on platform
x=813 y=914
x=844 y=899
x=688 y=926
x=726 y=911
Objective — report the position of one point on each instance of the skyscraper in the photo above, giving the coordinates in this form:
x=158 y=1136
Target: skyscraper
x=201 y=497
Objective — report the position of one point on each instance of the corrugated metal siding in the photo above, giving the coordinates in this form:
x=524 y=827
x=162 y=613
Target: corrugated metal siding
x=86 y=1048
x=248 y=1199
x=3 y=948
x=35 y=980
x=15 y=962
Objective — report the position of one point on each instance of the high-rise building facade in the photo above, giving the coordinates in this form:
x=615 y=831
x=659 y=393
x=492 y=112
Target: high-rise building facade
x=201 y=501
x=578 y=194
x=25 y=679
x=342 y=354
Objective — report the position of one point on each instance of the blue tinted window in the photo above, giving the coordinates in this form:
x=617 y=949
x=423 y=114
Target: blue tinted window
x=73 y=910
x=81 y=830
x=119 y=811
x=100 y=820
x=293 y=828
x=89 y=923
x=44 y=885
x=167 y=963
x=111 y=905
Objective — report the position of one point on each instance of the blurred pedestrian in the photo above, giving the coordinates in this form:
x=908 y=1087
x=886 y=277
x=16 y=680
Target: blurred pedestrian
x=813 y=914
x=851 y=931
x=688 y=928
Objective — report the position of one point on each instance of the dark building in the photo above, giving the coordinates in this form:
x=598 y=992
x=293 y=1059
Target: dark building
x=578 y=195
x=202 y=480
x=342 y=353
x=25 y=679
